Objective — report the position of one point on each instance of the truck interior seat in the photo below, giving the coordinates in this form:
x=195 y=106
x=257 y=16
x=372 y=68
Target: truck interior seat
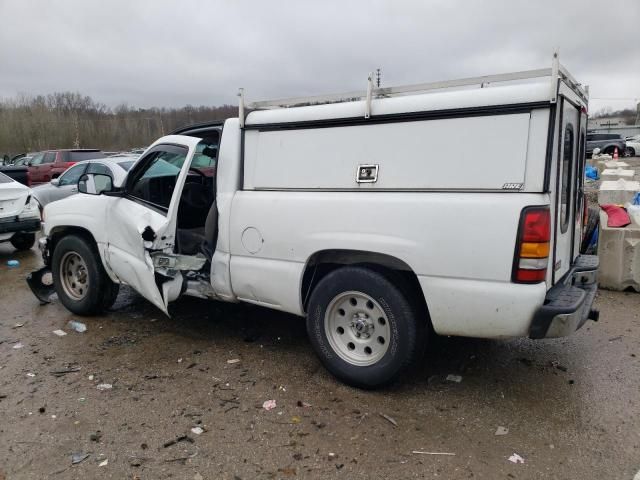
x=200 y=239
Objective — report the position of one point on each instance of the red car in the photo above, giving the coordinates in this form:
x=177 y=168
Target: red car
x=45 y=166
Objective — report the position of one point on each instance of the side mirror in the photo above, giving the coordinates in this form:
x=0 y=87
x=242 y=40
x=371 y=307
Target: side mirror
x=95 y=184
x=55 y=182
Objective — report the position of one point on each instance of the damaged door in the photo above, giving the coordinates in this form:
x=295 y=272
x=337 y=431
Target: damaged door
x=141 y=224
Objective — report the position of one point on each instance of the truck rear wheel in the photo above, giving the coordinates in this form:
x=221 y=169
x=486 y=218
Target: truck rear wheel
x=23 y=241
x=363 y=327
x=79 y=278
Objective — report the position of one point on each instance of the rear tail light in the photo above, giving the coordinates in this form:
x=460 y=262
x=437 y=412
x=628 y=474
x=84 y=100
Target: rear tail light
x=532 y=246
x=28 y=178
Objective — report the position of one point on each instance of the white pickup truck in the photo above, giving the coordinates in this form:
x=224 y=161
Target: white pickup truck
x=356 y=211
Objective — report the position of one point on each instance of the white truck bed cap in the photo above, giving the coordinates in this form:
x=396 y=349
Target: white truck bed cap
x=440 y=100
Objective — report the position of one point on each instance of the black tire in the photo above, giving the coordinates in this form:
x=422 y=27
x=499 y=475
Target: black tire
x=23 y=241
x=629 y=152
x=110 y=295
x=407 y=332
x=100 y=290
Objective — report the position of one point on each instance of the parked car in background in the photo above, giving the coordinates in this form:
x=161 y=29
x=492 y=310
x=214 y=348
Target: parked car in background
x=20 y=173
x=606 y=142
x=633 y=147
x=21 y=159
x=19 y=214
x=67 y=183
x=45 y=166
x=633 y=138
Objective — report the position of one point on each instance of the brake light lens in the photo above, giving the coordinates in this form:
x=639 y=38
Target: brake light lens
x=532 y=248
x=28 y=178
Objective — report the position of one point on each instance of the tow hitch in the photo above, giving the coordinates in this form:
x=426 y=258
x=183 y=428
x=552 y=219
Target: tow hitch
x=40 y=289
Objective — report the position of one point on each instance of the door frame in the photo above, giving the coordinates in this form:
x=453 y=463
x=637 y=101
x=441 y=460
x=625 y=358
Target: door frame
x=571 y=183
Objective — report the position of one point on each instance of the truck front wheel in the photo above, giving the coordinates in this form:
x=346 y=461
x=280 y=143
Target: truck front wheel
x=363 y=327
x=79 y=278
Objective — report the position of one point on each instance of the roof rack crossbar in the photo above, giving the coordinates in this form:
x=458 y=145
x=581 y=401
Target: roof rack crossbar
x=556 y=71
x=400 y=90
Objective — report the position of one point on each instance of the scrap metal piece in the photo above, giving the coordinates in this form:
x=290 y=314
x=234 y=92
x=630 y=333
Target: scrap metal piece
x=41 y=290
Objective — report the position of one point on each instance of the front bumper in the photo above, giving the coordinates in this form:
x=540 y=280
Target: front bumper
x=22 y=226
x=567 y=305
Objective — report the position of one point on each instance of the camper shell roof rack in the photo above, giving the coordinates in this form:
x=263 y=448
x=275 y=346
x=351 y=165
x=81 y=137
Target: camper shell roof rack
x=556 y=73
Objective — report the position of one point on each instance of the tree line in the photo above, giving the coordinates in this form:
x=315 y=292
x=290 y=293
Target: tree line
x=71 y=120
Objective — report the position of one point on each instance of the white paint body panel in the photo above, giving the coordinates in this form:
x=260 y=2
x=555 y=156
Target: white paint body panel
x=462 y=241
x=411 y=155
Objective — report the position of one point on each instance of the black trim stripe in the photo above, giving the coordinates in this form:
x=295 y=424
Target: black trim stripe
x=402 y=117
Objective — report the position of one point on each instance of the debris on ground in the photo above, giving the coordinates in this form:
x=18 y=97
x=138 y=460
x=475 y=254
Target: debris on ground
x=559 y=366
x=18 y=325
x=197 y=430
x=181 y=438
x=17 y=346
x=515 y=458
x=502 y=431
x=13 y=263
x=79 y=457
x=296 y=419
x=420 y=452
x=77 y=326
x=389 y=419
x=233 y=360
x=104 y=386
x=454 y=378
x=60 y=333
x=59 y=373
x=103 y=463
x=304 y=404
x=269 y=405
x=31 y=374
x=95 y=437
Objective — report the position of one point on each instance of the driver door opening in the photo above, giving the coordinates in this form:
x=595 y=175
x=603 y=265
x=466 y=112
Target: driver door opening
x=196 y=223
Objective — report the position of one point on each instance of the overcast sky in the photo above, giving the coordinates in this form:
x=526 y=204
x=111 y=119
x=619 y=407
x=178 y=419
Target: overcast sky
x=170 y=53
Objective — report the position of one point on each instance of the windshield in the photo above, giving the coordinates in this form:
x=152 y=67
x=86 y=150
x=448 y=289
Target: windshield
x=206 y=154
x=5 y=179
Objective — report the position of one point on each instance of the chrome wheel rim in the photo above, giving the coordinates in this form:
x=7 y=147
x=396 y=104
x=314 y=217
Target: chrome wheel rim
x=357 y=328
x=74 y=275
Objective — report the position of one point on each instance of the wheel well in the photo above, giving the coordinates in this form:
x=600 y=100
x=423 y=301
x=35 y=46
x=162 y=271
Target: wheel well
x=59 y=232
x=323 y=262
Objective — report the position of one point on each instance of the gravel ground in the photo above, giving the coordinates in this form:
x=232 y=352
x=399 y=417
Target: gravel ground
x=571 y=406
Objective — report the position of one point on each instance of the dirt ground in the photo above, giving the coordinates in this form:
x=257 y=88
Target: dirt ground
x=571 y=406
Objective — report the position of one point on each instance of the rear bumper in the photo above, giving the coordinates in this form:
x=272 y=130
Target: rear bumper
x=567 y=305
x=23 y=226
